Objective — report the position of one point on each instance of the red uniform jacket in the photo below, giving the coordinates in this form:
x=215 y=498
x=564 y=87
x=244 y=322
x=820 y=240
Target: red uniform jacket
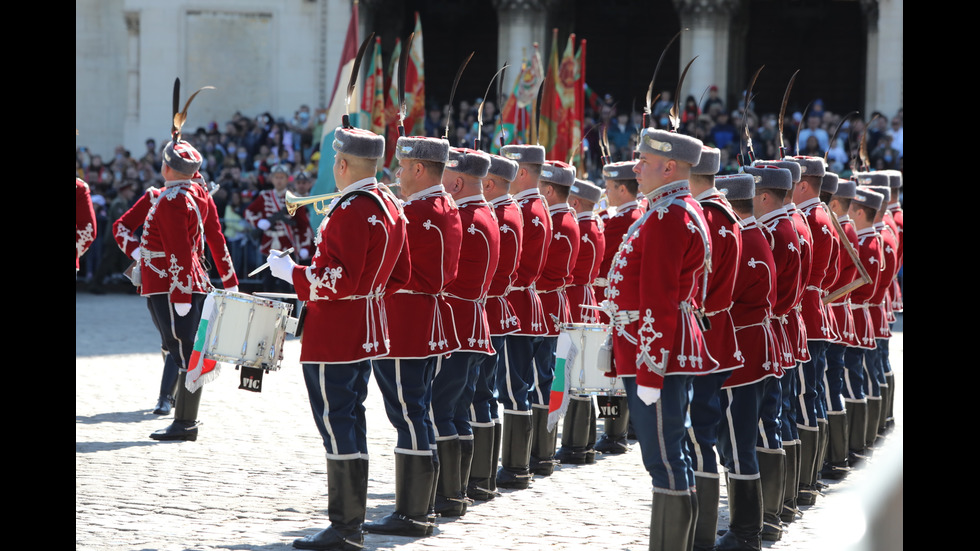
x=479 y=252
x=872 y=258
x=754 y=295
x=85 y=225
x=503 y=320
x=657 y=273
x=840 y=309
x=592 y=244
x=786 y=254
x=557 y=272
x=282 y=234
x=614 y=231
x=825 y=248
x=420 y=321
x=726 y=246
x=124 y=229
x=881 y=312
x=796 y=325
x=360 y=253
x=172 y=248
x=534 y=251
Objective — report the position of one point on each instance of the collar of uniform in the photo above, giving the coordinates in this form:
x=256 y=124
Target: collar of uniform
x=791 y=208
x=369 y=183
x=708 y=193
x=559 y=207
x=809 y=203
x=771 y=216
x=175 y=183
x=469 y=200
x=427 y=192
x=668 y=193
x=870 y=230
x=894 y=205
x=626 y=207
x=527 y=194
x=844 y=218
x=878 y=226
x=502 y=200
x=747 y=223
x=587 y=215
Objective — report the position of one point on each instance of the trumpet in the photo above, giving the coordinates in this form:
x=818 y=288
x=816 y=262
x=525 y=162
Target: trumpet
x=320 y=202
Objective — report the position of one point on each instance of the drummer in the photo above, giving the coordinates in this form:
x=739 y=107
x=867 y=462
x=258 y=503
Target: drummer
x=578 y=433
x=360 y=245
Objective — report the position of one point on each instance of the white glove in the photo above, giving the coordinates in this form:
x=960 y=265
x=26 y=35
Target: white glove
x=263 y=224
x=136 y=254
x=608 y=307
x=281 y=266
x=304 y=253
x=649 y=395
x=182 y=308
x=232 y=289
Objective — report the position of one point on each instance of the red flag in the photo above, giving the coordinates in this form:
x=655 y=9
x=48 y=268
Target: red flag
x=548 y=118
x=415 y=85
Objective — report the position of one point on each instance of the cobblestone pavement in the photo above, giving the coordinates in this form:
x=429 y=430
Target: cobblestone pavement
x=256 y=477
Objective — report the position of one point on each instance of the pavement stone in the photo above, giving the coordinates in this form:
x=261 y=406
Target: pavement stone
x=256 y=477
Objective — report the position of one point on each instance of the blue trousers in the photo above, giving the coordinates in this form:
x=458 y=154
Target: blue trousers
x=406 y=386
x=452 y=394
x=484 y=407
x=661 y=429
x=770 y=413
x=811 y=376
x=515 y=372
x=854 y=378
x=739 y=430
x=706 y=416
x=337 y=393
x=834 y=377
x=790 y=390
x=544 y=369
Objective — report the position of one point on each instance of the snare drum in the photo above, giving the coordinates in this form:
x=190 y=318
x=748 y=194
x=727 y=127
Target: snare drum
x=248 y=330
x=584 y=376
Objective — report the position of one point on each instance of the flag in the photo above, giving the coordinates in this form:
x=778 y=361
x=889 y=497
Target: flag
x=509 y=120
x=515 y=113
x=335 y=113
x=579 y=121
x=373 y=102
x=415 y=86
x=565 y=112
x=565 y=353
x=201 y=370
x=391 y=105
x=547 y=123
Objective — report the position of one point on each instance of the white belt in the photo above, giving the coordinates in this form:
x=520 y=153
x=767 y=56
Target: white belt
x=562 y=288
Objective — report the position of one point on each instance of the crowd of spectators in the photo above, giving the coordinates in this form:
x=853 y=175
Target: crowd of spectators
x=240 y=156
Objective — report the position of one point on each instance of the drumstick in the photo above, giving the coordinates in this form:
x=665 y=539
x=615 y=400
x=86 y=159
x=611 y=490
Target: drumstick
x=266 y=265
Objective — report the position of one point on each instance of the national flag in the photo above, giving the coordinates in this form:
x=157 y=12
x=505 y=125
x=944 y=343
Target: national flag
x=201 y=370
x=391 y=105
x=415 y=86
x=579 y=144
x=335 y=113
x=565 y=353
x=547 y=124
x=566 y=139
x=373 y=102
x=515 y=115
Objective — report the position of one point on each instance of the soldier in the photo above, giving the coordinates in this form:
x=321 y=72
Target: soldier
x=554 y=184
x=455 y=380
x=839 y=201
x=171 y=273
x=515 y=375
x=578 y=432
x=503 y=321
x=360 y=254
x=863 y=209
x=85 y=226
x=655 y=287
x=421 y=328
x=621 y=191
x=772 y=184
x=825 y=248
x=754 y=295
x=898 y=218
x=726 y=244
x=267 y=213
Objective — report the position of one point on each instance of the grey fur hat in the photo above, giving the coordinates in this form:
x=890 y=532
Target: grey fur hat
x=829 y=183
x=586 y=190
x=468 y=161
x=868 y=198
x=846 y=189
x=710 y=162
x=770 y=176
x=558 y=173
x=736 y=186
x=894 y=178
x=670 y=145
x=879 y=178
x=792 y=166
x=885 y=191
x=358 y=143
x=503 y=167
x=533 y=154
x=422 y=148
x=622 y=170
x=182 y=157
x=809 y=165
